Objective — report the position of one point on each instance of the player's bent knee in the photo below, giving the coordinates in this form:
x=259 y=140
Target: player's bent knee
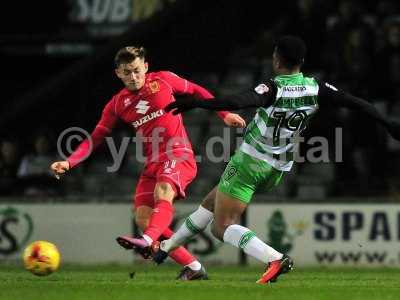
x=220 y=225
x=218 y=231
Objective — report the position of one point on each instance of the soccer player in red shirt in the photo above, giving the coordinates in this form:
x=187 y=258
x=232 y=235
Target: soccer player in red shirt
x=170 y=164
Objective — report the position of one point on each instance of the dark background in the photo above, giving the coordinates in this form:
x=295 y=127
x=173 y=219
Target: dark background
x=57 y=72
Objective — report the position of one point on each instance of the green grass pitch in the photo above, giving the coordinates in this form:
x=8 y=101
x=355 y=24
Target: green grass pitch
x=152 y=282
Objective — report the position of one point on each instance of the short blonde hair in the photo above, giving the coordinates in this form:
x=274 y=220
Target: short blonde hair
x=127 y=54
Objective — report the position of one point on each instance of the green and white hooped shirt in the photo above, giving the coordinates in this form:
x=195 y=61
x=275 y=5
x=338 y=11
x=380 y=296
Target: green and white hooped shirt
x=271 y=135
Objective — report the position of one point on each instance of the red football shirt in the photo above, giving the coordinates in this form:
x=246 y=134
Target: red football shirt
x=143 y=111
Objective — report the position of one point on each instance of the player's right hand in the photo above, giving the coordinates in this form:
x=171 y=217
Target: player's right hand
x=59 y=168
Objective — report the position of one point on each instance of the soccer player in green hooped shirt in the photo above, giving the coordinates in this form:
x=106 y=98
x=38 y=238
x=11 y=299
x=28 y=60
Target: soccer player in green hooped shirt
x=285 y=104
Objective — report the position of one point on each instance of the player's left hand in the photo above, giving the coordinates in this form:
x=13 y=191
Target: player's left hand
x=234 y=120
x=181 y=105
x=60 y=168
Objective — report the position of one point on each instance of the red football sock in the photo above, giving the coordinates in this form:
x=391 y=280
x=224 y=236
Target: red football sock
x=160 y=219
x=181 y=255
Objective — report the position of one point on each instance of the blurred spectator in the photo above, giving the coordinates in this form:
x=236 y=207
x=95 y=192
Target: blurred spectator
x=9 y=162
x=385 y=9
x=348 y=16
x=308 y=21
x=389 y=87
x=358 y=57
x=389 y=63
x=349 y=62
x=34 y=169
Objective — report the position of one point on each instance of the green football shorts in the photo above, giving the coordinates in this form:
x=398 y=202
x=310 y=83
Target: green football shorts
x=245 y=174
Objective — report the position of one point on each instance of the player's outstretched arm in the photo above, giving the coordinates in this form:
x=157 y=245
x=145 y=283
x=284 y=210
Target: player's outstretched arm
x=329 y=95
x=230 y=119
x=102 y=129
x=261 y=96
x=81 y=153
x=183 y=86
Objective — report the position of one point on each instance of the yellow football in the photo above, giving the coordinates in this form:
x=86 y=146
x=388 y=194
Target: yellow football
x=41 y=258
